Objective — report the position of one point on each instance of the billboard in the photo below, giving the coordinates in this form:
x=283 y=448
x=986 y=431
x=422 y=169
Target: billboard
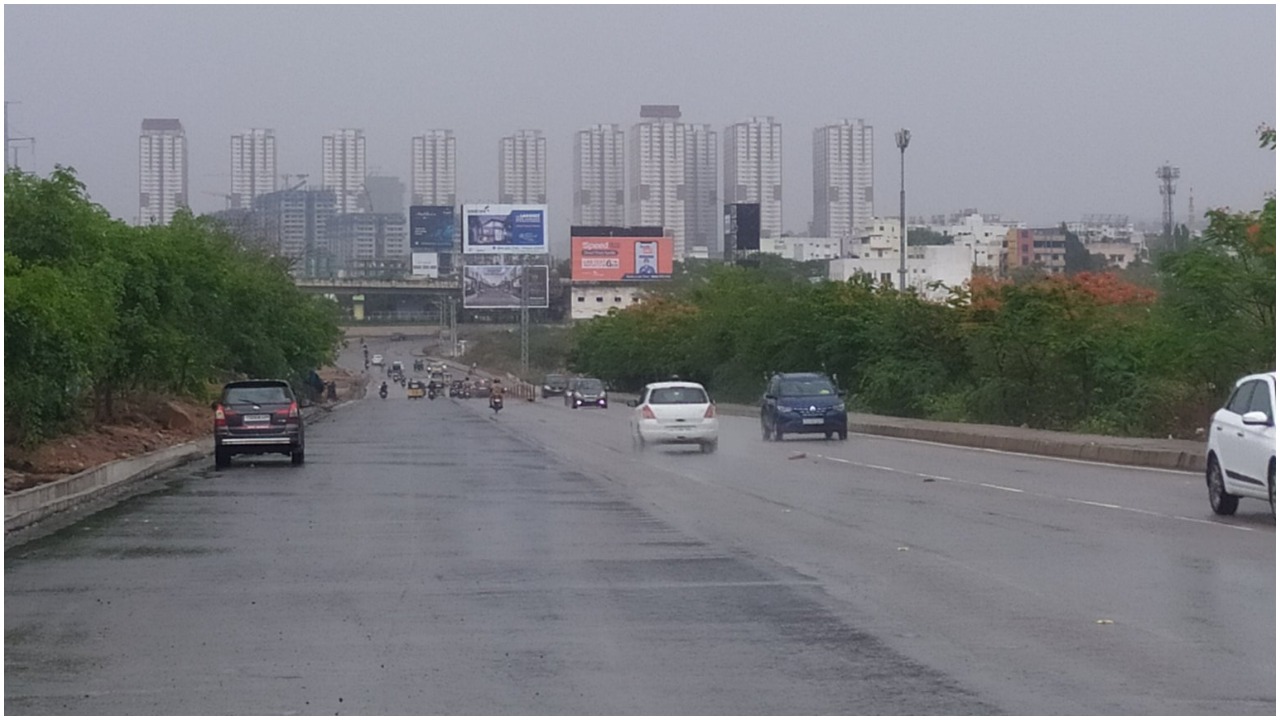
x=620 y=259
x=500 y=286
x=494 y=229
x=431 y=228
x=426 y=264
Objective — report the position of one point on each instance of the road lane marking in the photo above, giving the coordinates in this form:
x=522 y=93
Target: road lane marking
x=991 y=486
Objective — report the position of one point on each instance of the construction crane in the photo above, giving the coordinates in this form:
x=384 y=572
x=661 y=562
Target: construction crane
x=302 y=178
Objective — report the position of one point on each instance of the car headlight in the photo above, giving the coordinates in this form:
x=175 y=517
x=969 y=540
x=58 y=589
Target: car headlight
x=838 y=407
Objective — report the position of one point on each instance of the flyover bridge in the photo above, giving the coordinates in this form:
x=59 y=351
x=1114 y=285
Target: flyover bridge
x=397 y=300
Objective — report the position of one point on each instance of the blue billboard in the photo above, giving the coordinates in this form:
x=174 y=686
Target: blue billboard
x=431 y=228
x=493 y=229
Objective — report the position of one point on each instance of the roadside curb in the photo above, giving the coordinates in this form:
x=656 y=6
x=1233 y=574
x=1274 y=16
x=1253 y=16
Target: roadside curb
x=37 y=503
x=1140 y=452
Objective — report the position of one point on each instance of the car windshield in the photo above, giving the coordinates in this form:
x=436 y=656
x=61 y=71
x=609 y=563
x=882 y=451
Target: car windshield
x=555 y=379
x=806 y=387
x=678 y=396
x=590 y=385
x=257 y=394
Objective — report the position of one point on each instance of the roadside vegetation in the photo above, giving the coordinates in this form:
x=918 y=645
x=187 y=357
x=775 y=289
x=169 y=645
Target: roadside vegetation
x=500 y=351
x=96 y=310
x=1148 y=352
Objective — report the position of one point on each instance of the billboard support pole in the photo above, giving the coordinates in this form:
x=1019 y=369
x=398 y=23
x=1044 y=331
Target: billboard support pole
x=524 y=318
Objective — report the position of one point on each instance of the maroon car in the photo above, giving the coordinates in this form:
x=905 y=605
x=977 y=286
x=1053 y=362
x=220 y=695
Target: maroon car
x=257 y=417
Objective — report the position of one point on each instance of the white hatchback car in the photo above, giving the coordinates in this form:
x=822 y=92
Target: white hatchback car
x=1241 y=458
x=675 y=413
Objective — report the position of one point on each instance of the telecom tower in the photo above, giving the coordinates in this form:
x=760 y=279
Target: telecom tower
x=1167 y=175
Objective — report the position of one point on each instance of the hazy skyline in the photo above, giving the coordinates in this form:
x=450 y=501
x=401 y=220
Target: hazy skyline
x=1040 y=113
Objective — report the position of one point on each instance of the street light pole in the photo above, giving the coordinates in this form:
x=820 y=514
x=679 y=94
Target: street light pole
x=903 y=137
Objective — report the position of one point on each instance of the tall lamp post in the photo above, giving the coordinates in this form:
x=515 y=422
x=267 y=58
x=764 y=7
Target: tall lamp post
x=903 y=137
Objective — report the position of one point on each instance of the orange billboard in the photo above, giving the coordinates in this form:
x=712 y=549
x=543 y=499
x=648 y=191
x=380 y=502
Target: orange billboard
x=620 y=259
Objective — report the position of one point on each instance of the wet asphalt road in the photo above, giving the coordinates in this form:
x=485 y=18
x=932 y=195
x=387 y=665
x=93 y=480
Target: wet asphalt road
x=431 y=559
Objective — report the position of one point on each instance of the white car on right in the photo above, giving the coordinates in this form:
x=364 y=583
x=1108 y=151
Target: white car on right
x=1241 y=457
x=377 y=360
x=674 y=413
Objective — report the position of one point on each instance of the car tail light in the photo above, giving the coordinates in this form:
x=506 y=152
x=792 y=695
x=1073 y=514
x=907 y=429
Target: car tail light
x=290 y=413
x=646 y=412
x=710 y=413
x=219 y=417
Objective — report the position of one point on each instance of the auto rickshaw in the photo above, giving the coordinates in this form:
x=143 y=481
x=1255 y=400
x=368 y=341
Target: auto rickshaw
x=417 y=389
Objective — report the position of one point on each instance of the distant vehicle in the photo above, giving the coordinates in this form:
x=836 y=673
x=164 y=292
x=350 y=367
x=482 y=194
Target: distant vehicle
x=674 y=413
x=554 y=384
x=1241 y=455
x=417 y=389
x=377 y=360
x=257 y=417
x=398 y=337
x=803 y=403
x=587 y=392
x=438 y=380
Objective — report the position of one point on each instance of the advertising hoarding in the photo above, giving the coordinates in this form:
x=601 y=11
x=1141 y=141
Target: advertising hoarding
x=499 y=286
x=620 y=259
x=426 y=264
x=504 y=229
x=431 y=228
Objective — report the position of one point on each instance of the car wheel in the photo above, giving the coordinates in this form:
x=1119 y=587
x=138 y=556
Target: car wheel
x=221 y=458
x=1222 y=502
x=299 y=456
x=777 y=433
x=844 y=434
x=828 y=434
x=710 y=447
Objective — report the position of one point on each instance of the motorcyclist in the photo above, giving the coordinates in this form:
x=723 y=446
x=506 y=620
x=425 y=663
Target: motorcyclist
x=383 y=390
x=495 y=394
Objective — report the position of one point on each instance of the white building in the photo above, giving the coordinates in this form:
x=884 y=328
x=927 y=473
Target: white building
x=881 y=238
x=753 y=169
x=589 y=301
x=949 y=264
x=599 y=176
x=434 y=169
x=343 y=167
x=657 y=170
x=803 y=249
x=162 y=170
x=253 y=166
x=356 y=238
x=984 y=237
x=522 y=168
x=843 y=172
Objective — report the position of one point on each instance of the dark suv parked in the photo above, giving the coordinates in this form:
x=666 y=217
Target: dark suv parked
x=803 y=403
x=257 y=417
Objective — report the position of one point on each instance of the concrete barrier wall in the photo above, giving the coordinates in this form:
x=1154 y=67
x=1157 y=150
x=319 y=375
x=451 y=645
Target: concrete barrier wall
x=34 y=504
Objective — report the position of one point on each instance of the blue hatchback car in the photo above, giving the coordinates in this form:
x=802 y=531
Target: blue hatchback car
x=803 y=403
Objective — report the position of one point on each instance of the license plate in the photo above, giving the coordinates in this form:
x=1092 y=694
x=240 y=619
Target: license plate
x=257 y=418
x=814 y=421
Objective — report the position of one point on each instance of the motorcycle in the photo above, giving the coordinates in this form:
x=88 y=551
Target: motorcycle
x=382 y=391
x=495 y=402
x=431 y=393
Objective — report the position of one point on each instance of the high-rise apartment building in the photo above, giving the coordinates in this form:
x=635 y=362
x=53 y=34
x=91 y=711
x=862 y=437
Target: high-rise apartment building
x=658 y=172
x=162 y=170
x=434 y=175
x=599 y=176
x=343 y=167
x=295 y=223
x=702 y=188
x=522 y=168
x=843 y=167
x=253 y=166
x=753 y=169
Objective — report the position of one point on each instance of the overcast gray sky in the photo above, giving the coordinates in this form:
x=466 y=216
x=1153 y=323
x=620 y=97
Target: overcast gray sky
x=1040 y=113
